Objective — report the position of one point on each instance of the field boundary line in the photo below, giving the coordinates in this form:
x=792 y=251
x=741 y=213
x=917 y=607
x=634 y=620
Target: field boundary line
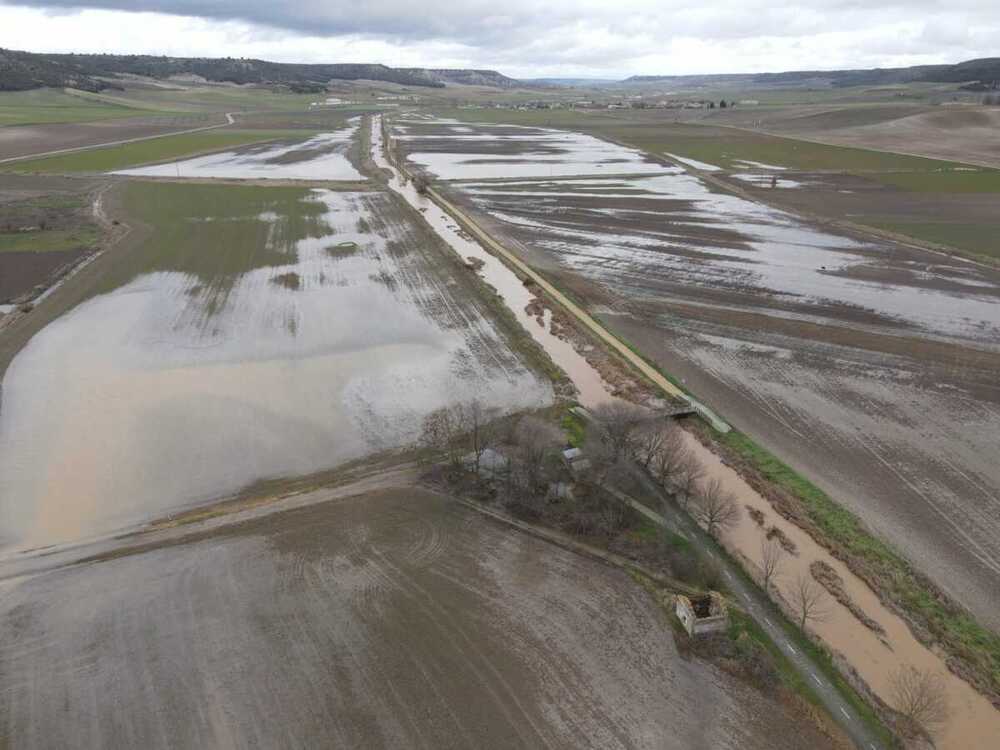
x=230 y=119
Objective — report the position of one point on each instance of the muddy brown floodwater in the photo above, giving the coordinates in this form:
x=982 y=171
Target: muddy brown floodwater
x=216 y=363
x=973 y=722
x=393 y=619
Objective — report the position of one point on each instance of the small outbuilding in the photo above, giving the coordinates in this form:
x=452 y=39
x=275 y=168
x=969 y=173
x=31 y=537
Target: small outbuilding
x=576 y=461
x=702 y=614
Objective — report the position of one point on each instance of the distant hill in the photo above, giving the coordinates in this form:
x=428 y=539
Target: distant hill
x=20 y=71
x=986 y=70
x=466 y=77
x=572 y=81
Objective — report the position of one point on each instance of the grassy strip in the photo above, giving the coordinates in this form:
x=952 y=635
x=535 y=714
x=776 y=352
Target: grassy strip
x=575 y=427
x=44 y=241
x=974 y=240
x=164 y=148
x=954 y=629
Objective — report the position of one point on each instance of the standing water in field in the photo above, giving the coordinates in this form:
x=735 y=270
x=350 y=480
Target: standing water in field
x=322 y=157
x=458 y=152
x=259 y=332
x=591 y=388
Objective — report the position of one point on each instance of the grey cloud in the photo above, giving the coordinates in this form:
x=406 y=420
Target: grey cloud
x=597 y=34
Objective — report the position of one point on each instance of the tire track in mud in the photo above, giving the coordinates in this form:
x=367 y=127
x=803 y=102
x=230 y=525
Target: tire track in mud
x=433 y=293
x=395 y=580
x=508 y=701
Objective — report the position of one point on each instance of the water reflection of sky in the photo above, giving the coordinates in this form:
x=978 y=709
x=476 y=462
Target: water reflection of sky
x=530 y=152
x=321 y=157
x=780 y=256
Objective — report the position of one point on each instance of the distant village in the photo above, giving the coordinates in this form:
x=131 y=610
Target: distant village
x=629 y=102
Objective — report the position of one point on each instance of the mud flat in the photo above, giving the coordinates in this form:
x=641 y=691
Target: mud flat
x=867 y=366
x=241 y=342
x=392 y=619
x=322 y=157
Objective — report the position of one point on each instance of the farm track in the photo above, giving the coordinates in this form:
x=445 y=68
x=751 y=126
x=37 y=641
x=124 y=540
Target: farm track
x=230 y=119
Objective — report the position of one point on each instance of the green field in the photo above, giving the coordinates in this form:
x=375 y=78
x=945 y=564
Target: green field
x=54 y=106
x=981 y=240
x=216 y=232
x=165 y=148
x=983 y=180
x=41 y=241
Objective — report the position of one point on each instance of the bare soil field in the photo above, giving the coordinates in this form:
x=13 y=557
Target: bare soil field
x=867 y=366
x=396 y=618
x=26 y=140
x=959 y=133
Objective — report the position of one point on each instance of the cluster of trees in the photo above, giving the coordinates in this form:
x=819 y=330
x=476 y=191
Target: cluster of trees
x=623 y=433
x=524 y=467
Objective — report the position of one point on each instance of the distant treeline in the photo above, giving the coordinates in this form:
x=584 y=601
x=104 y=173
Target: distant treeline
x=986 y=71
x=21 y=71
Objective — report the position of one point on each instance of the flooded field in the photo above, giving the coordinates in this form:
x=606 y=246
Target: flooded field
x=322 y=157
x=395 y=618
x=869 y=367
x=454 y=151
x=257 y=332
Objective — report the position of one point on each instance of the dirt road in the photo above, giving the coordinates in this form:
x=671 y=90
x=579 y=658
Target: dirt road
x=9 y=141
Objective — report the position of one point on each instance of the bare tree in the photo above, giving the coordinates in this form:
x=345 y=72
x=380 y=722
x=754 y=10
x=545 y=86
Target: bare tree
x=716 y=507
x=536 y=440
x=440 y=432
x=670 y=457
x=772 y=554
x=648 y=444
x=421 y=183
x=809 y=600
x=618 y=422
x=479 y=423
x=688 y=475
x=919 y=694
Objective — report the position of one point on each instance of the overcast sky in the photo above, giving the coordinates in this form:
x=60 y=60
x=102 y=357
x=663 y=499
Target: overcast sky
x=523 y=38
